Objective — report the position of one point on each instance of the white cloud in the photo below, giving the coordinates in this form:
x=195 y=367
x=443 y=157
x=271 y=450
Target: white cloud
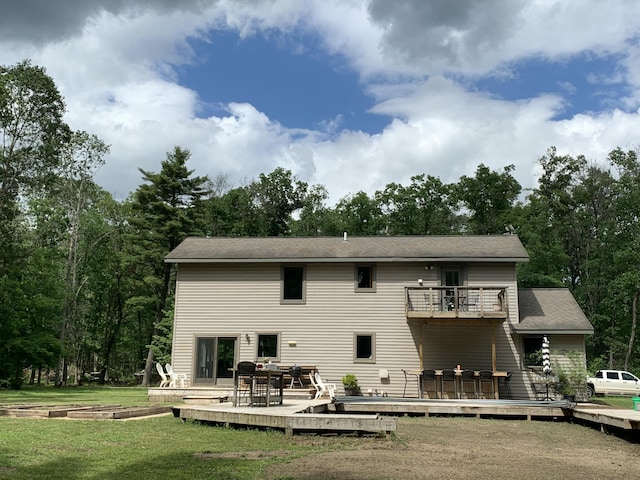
x=115 y=65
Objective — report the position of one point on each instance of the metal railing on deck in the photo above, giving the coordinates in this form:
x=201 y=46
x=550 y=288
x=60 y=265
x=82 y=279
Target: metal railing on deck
x=446 y=302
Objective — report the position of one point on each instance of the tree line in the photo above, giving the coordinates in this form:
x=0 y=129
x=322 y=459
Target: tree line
x=83 y=285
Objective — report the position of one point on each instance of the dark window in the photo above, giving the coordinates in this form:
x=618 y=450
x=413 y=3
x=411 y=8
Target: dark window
x=452 y=278
x=267 y=346
x=598 y=374
x=365 y=278
x=612 y=376
x=628 y=376
x=293 y=283
x=532 y=351
x=364 y=348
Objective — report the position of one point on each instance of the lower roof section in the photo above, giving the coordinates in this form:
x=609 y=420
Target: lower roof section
x=550 y=310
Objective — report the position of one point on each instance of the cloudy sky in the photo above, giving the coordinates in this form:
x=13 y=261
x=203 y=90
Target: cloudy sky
x=350 y=94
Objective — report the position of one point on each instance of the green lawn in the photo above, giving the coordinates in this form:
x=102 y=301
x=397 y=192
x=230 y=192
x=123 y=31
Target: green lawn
x=151 y=448
x=125 y=396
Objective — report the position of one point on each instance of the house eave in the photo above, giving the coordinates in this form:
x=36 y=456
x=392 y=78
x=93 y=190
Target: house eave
x=348 y=260
x=549 y=331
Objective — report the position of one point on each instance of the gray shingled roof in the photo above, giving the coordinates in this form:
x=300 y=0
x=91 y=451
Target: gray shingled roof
x=493 y=248
x=550 y=310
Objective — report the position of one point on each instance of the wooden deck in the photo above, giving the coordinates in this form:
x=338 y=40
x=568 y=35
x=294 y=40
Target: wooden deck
x=301 y=416
x=517 y=409
x=379 y=414
x=376 y=415
x=606 y=416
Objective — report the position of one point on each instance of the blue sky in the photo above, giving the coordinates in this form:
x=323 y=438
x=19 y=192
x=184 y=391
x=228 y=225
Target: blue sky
x=349 y=94
x=299 y=90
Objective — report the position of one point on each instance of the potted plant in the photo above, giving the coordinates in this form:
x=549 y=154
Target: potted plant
x=571 y=377
x=350 y=384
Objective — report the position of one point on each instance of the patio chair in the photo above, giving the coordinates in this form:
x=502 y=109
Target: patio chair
x=245 y=372
x=468 y=377
x=485 y=384
x=428 y=377
x=322 y=388
x=175 y=378
x=164 y=382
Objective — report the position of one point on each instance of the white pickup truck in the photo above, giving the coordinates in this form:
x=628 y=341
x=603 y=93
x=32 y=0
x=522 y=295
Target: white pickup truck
x=613 y=382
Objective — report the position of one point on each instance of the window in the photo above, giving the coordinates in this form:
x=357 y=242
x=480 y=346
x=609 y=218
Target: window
x=293 y=284
x=268 y=344
x=364 y=346
x=612 y=376
x=365 y=280
x=532 y=351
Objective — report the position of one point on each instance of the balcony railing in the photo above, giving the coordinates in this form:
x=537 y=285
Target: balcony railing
x=456 y=302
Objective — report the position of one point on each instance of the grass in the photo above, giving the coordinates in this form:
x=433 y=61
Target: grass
x=158 y=447
x=93 y=395
x=621 y=402
x=151 y=448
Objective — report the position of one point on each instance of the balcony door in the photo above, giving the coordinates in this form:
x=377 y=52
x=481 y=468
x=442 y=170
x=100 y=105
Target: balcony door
x=451 y=277
x=215 y=358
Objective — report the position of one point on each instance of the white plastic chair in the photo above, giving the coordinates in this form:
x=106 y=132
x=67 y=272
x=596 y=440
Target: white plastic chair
x=322 y=388
x=175 y=378
x=165 y=380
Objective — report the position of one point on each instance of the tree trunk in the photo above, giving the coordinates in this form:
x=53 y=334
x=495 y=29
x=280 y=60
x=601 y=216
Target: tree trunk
x=632 y=336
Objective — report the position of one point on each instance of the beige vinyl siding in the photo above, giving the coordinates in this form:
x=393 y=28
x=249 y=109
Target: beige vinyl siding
x=559 y=346
x=242 y=299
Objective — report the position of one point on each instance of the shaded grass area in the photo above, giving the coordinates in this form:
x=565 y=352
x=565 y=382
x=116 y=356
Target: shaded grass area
x=92 y=395
x=148 y=448
x=161 y=447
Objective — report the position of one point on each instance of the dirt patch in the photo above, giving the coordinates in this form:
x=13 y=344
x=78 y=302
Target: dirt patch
x=260 y=455
x=464 y=448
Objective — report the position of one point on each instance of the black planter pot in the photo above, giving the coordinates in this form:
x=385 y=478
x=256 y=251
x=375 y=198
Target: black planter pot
x=352 y=392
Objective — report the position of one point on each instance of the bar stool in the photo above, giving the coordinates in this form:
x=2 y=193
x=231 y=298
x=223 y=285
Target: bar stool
x=449 y=377
x=429 y=376
x=407 y=373
x=468 y=377
x=507 y=385
x=486 y=378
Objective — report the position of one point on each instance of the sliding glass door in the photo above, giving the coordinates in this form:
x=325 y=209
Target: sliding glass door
x=215 y=360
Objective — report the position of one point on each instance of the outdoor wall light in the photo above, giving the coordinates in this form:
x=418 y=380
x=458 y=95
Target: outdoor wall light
x=247 y=337
x=292 y=343
x=420 y=282
x=429 y=267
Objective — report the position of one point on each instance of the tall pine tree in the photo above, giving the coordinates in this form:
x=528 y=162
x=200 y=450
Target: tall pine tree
x=164 y=213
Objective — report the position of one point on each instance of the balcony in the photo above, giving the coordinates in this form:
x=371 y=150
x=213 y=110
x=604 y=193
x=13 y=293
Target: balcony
x=456 y=302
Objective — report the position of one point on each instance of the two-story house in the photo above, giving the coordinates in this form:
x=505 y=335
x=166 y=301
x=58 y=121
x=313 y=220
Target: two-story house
x=371 y=306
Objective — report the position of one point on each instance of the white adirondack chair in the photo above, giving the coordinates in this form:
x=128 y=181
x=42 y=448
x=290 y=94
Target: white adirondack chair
x=322 y=389
x=164 y=382
x=175 y=378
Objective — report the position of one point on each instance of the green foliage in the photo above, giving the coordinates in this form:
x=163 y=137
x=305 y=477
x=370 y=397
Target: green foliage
x=489 y=196
x=572 y=374
x=350 y=381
